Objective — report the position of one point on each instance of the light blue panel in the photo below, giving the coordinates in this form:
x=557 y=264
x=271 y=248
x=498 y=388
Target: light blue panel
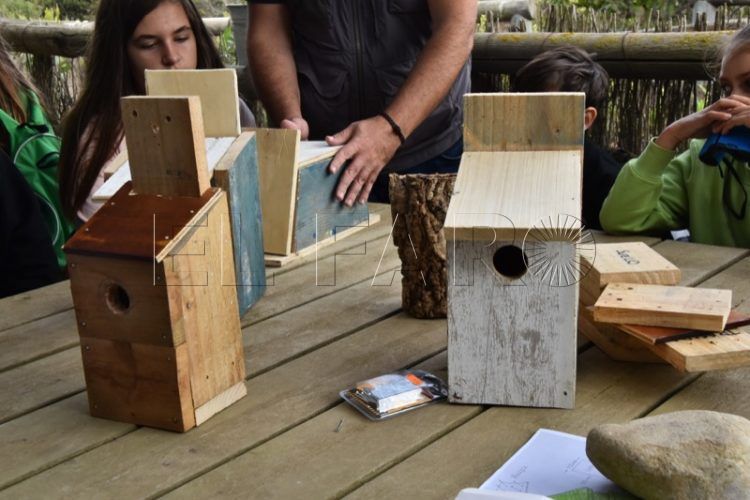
x=316 y=197
x=244 y=203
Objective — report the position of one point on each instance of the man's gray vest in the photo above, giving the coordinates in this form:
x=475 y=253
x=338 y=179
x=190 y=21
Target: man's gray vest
x=352 y=58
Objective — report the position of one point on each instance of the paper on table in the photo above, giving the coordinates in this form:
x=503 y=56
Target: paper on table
x=216 y=147
x=550 y=463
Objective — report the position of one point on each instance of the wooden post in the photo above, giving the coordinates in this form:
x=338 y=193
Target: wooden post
x=418 y=206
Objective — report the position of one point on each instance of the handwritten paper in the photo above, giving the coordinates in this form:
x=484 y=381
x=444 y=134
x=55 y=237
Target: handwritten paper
x=550 y=463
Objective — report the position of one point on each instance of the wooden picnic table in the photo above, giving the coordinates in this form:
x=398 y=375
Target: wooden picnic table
x=292 y=437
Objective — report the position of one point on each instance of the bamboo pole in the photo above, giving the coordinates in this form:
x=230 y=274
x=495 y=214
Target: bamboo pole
x=66 y=39
x=623 y=55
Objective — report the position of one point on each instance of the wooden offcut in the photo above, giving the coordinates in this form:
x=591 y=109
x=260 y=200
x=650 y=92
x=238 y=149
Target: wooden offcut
x=658 y=305
x=166 y=149
x=298 y=194
x=512 y=227
x=629 y=262
x=662 y=334
x=716 y=351
x=216 y=88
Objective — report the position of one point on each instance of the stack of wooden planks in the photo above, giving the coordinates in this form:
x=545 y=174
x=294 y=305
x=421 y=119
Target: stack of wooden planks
x=631 y=308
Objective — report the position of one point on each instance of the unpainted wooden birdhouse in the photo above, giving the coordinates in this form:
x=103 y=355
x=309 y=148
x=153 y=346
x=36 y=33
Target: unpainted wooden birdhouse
x=152 y=278
x=514 y=240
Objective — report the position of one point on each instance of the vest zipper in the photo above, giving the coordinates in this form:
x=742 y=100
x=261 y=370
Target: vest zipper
x=358 y=48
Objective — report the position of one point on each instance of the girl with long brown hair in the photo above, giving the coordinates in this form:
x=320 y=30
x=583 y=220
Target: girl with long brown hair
x=130 y=36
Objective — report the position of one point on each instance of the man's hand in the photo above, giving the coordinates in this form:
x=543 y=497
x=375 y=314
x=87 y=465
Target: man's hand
x=297 y=123
x=369 y=145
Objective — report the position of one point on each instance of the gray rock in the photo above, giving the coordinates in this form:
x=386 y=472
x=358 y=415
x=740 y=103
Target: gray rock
x=682 y=455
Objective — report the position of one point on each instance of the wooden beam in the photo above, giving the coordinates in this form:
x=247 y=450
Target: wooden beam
x=629 y=55
x=66 y=38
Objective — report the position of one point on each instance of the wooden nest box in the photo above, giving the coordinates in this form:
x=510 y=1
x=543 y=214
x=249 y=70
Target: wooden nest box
x=514 y=238
x=152 y=277
x=230 y=156
x=300 y=211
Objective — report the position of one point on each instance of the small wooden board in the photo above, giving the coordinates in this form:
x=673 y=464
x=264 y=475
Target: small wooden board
x=716 y=351
x=661 y=334
x=658 y=305
x=629 y=262
x=216 y=88
x=285 y=260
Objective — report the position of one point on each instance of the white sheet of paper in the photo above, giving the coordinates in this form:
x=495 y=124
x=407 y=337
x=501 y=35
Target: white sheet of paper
x=215 y=150
x=550 y=463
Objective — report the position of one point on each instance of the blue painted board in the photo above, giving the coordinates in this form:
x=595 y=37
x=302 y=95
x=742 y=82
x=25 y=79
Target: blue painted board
x=242 y=187
x=319 y=215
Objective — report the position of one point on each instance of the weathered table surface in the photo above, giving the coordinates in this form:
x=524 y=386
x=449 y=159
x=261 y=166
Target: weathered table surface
x=292 y=437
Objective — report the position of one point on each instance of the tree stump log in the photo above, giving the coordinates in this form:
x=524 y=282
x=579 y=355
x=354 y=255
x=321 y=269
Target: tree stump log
x=419 y=204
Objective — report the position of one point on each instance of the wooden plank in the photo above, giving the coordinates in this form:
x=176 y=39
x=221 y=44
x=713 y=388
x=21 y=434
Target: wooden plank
x=34 y=305
x=503 y=195
x=326 y=276
x=319 y=215
x=277 y=400
x=631 y=262
x=277 y=161
x=657 y=305
x=523 y=122
x=724 y=391
x=166 y=147
x=285 y=260
x=39 y=443
x=138 y=383
x=520 y=354
x=203 y=304
x=220 y=402
x=719 y=351
x=115 y=163
x=607 y=392
x=613 y=342
x=268 y=344
x=216 y=88
x=37 y=339
x=661 y=334
x=39 y=383
x=324 y=457
x=237 y=174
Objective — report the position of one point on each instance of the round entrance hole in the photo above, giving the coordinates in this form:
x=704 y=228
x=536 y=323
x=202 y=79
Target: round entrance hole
x=117 y=299
x=510 y=261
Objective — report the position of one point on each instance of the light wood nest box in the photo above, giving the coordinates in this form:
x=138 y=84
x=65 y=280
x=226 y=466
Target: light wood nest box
x=514 y=243
x=152 y=277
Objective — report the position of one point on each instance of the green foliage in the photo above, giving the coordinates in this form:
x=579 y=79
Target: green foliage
x=628 y=7
x=22 y=9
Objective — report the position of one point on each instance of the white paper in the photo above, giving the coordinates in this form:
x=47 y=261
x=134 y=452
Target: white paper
x=550 y=463
x=216 y=147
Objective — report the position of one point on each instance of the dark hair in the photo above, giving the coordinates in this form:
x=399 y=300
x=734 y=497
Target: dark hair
x=564 y=69
x=108 y=78
x=12 y=84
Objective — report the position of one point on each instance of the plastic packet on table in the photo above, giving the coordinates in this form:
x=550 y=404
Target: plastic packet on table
x=394 y=393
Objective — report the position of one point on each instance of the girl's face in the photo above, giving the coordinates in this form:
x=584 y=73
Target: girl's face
x=735 y=73
x=162 y=40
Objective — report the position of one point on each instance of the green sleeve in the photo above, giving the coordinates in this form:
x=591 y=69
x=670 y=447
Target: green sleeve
x=649 y=195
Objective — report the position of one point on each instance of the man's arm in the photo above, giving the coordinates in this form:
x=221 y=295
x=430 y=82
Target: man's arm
x=269 y=51
x=370 y=144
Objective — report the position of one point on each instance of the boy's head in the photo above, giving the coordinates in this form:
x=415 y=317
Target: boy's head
x=566 y=69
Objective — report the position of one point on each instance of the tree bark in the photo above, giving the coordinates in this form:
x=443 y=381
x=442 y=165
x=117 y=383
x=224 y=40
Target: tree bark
x=419 y=204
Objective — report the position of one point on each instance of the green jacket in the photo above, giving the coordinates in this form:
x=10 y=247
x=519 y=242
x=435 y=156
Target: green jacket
x=659 y=191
